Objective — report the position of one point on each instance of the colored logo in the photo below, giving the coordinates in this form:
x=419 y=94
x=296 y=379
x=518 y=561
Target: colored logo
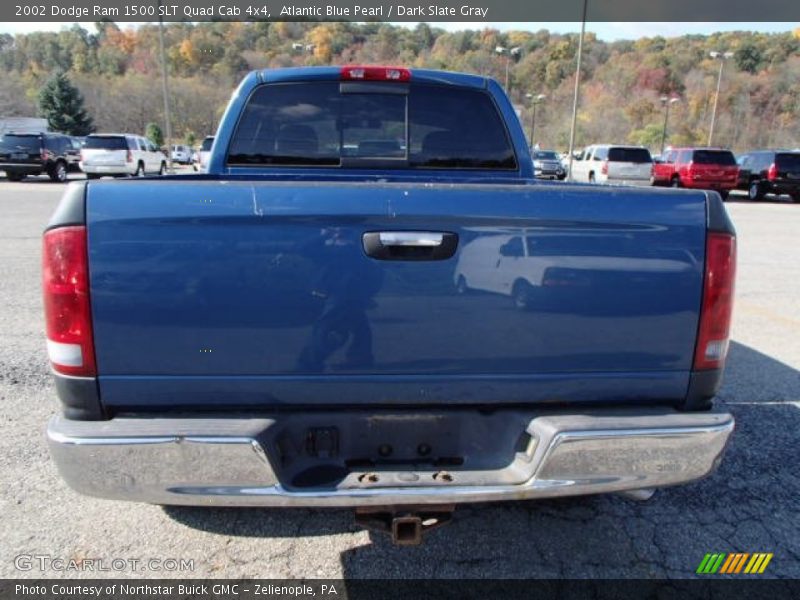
x=734 y=563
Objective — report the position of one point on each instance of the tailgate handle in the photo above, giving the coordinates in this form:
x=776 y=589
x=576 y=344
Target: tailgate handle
x=410 y=245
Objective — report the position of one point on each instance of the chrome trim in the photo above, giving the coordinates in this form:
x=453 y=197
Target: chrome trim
x=410 y=238
x=221 y=461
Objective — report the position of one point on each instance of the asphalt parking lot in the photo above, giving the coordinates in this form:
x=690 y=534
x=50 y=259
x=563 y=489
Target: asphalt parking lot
x=751 y=504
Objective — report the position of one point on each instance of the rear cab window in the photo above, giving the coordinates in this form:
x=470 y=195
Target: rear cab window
x=714 y=157
x=207 y=143
x=380 y=125
x=629 y=155
x=788 y=161
x=106 y=142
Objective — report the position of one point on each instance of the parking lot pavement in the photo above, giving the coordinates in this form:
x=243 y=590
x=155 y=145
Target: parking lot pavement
x=751 y=504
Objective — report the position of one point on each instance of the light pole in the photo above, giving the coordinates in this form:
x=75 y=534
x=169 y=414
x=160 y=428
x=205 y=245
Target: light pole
x=577 y=90
x=667 y=102
x=509 y=52
x=535 y=99
x=165 y=88
x=722 y=56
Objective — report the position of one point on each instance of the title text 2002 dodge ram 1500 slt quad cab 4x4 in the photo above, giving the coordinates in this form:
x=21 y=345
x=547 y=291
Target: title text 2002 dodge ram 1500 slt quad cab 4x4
x=368 y=301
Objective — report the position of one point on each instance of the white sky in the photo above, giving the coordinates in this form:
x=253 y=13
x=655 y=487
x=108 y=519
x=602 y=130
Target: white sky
x=605 y=31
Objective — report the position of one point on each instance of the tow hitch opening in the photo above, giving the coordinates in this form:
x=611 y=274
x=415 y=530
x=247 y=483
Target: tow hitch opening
x=406 y=526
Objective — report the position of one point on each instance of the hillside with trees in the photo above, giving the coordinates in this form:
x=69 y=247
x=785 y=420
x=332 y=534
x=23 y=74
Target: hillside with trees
x=116 y=71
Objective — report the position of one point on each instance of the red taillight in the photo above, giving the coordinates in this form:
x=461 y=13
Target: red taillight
x=604 y=168
x=129 y=156
x=359 y=73
x=43 y=154
x=65 y=282
x=772 y=173
x=82 y=159
x=715 y=313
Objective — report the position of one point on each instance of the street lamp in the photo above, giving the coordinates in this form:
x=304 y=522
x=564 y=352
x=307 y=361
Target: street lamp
x=165 y=88
x=509 y=52
x=722 y=56
x=577 y=91
x=666 y=102
x=535 y=99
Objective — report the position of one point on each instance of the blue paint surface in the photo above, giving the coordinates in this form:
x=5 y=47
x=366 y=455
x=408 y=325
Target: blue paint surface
x=252 y=288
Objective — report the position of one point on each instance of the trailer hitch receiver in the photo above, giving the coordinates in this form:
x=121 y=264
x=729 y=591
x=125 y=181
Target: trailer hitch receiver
x=406 y=525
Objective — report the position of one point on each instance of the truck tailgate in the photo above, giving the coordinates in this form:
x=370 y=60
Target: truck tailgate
x=222 y=294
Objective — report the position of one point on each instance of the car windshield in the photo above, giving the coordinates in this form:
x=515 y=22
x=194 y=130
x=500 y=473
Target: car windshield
x=629 y=155
x=713 y=157
x=207 y=143
x=105 y=142
x=20 y=143
x=788 y=162
x=544 y=155
x=389 y=125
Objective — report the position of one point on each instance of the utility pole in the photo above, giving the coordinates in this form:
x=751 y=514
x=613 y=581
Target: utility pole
x=577 y=90
x=722 y=56
x=535 y=99
x=667 y=102
x=165 y=88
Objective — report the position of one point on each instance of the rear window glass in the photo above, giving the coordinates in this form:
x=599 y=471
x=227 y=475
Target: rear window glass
x=788 y=162
x=20 y=143
x=207 y=143
x=714 y=157
x=631 y=155
x=313 y=124
x=105 y=143
x=544 y=155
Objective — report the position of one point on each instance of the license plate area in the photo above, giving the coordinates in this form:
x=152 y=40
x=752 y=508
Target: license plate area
x=385 y=448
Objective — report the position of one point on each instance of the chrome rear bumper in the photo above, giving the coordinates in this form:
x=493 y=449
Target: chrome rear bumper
x=223 y=461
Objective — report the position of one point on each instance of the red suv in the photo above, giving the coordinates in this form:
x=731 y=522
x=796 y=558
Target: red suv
x=698 y=168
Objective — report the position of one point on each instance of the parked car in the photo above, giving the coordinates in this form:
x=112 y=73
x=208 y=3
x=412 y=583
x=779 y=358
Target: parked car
x=770 y=172
x=23 y=154
x=201 y=156
x=182 y=154
x=698 y=168
x=302 y=341
x=605 y=163
x=547 y=165
x=121 y=154
x=74 y=153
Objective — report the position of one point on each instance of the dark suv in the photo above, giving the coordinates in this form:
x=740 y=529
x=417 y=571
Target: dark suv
x=23 y=154
x=765 y=172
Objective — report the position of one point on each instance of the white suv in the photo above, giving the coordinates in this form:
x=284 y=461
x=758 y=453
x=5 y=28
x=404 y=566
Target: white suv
x=605 y=163
x=121 y=154
x=200 y=162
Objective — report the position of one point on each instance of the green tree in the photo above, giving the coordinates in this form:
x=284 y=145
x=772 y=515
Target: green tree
x=649 y=135
x=62 y=105
x=190 y=139
x=748 y=57
x=153 y=133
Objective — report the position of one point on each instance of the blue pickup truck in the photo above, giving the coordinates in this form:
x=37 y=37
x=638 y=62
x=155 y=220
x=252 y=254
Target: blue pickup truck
x=368 y=301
